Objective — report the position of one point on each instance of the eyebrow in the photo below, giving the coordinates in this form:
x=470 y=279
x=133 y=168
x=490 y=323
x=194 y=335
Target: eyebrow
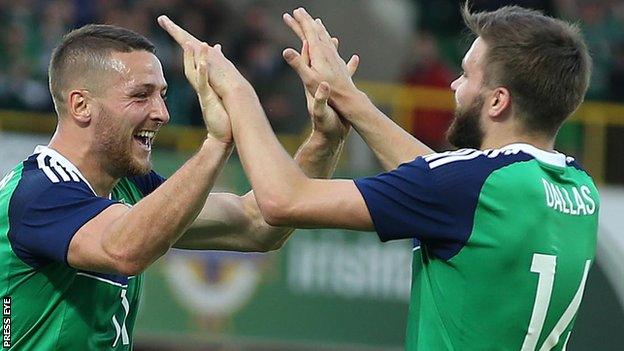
x=147 y=87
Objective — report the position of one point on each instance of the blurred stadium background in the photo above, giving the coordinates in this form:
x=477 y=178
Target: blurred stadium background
x=325 y=290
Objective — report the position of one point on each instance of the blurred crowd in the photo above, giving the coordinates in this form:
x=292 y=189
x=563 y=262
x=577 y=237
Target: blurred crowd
x=439 y=44
x=31 y=28
x=602 y=23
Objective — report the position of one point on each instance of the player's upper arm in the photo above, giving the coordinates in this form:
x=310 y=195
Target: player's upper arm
x=417 y=201
x=91 y=249
x=87 y=250
x=334 y=203
x=433 y=198
x=45 y=217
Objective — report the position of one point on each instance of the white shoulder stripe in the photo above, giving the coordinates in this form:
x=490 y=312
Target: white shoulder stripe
x=46 y=169
x=59 y=170
x=56 y=169
x=64 y=171
x=449 y=159
x=460 y=152
x=550 y=157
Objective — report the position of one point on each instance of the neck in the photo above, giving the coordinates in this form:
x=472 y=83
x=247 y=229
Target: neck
x=496 y=139
x=85 y=161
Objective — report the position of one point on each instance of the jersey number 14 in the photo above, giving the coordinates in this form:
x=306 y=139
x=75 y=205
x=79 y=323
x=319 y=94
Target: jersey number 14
x=545 y=266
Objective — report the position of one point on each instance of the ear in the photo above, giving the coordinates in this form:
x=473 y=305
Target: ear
x=499 y=102
x=79 y=106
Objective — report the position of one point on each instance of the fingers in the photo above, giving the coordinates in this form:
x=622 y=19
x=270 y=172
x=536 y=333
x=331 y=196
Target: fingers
x=353 y=64
x=294 y=26
x=202 y=67
x=308 y=25
x=189 y=61
x=305 y=53
x=320 y=99
x=305 y=27
x=298 y=63
x=178 y=34
x=321 y=30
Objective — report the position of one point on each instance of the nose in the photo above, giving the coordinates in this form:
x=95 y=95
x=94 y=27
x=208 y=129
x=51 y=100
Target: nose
x=455 y=83
x=159 y=111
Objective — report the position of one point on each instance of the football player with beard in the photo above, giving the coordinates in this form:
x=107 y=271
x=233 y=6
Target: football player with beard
x=504 y=229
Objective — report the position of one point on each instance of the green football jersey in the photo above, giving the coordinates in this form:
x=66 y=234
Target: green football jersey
x=43 y=202
x=504 y=240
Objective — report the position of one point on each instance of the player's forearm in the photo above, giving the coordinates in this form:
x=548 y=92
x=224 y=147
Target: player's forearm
x=318 y=155
x=155 y=223
x=273 y=174
x=390 y=143
x=233 y=223
x=263 y=236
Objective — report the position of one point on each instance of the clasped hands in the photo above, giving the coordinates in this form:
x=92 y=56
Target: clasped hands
x=217 y=82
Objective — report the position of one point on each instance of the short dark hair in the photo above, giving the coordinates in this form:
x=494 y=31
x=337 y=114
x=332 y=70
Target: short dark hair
x=543 y=61
x=86 y=49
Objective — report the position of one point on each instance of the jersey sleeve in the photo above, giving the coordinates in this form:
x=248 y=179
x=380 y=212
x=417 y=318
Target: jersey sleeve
x=45 y=216
x=148 y=182
x=433 y=200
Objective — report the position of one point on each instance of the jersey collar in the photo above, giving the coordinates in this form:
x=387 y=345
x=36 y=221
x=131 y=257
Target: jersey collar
x=552 y=158
x=42 y=149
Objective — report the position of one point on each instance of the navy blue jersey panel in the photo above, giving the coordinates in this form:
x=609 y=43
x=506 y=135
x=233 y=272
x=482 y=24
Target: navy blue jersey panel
x=44 y=215
x=432 y=198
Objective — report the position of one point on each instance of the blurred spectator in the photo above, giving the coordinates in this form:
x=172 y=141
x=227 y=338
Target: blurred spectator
x=31 y=29
x=258 y=53
x=616 y=76
x=426 y=68
x=545 y=6
x=602 y=22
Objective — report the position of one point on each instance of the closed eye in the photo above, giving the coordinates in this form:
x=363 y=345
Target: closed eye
x=141 y=96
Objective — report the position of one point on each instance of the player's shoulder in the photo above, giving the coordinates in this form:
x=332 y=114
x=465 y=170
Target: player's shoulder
x=475 y=166
x=47 y=171
x=463 y=158
x=575 y=164
x=491 y=159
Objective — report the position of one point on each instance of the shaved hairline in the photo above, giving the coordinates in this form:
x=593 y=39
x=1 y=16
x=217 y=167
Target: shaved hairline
x=82 y=60
x=90 y=71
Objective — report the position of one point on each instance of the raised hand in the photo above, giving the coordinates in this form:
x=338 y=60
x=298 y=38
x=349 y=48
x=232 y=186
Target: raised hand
x=325 y=62
x=325 y=119
x=196 y=71
x=215 y=117
x=224 y=77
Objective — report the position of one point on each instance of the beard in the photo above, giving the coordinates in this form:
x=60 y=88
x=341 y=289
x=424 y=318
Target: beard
x=465 y=130
x=114 y=148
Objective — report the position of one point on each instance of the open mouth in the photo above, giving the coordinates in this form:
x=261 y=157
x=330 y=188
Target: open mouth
x=145 y=138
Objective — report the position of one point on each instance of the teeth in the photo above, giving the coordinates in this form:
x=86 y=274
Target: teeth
x=146 y=134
